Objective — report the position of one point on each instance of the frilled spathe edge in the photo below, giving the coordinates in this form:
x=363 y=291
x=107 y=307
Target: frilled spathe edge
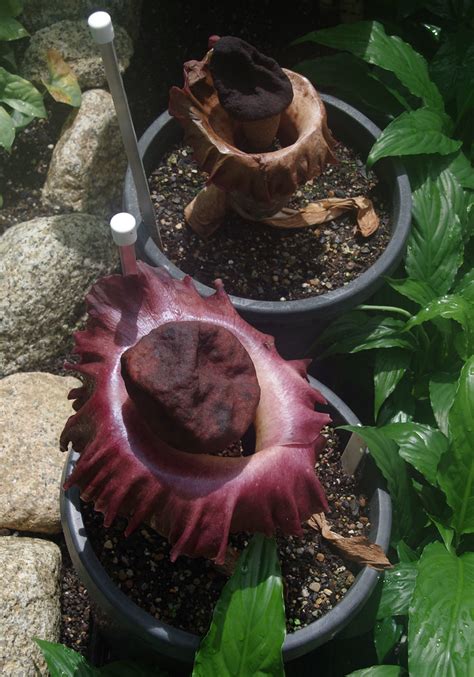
x=195 y=501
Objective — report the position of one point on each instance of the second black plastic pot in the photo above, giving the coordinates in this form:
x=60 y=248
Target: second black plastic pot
x=294 y=324
x=133 y=633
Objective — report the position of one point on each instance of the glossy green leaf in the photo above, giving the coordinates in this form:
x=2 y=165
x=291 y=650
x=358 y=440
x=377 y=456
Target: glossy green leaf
x=435 y=247
x=419 y=445
x=390 y=366
x=453 y=60
x=11 y=29
x=20 y=94
x=441 y=622
x=446 y=533
x=64 y=662
x=386 y=635
x=462 y=170
x=399 y=407
x=368 y=40
x=378 y=671
x=347 y=75
x=397 y=590
x=20 y=120
x=452 y=307
x=11 y=7
x=385 y=454
x=414 y=132
x=357 y=331
x=405 y=553
x=442 y=387
x=248 y=626
x=62 y=84
x=7 y=129
x=456 y=471
x=465 y=286
x=416 y=291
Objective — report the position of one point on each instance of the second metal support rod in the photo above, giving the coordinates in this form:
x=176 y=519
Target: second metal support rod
x=102 y=31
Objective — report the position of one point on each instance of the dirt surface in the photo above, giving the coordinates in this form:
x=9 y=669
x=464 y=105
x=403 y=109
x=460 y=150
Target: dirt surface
x=264 y=263
x=185 y=592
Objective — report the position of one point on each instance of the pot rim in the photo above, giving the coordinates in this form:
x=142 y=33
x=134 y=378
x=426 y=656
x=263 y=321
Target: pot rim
x=342 y=296
x=181 y=645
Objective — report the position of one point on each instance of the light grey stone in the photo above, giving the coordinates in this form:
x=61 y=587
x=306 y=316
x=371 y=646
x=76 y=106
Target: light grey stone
x=72 y=39
x=33 y=411
x=40 y=13
x=88 y=164
x=29 y=603
x=46 y=267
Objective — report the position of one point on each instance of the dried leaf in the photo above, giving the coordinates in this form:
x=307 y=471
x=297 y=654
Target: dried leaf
x=358 y=548
x=327 y=210
x=62 y=83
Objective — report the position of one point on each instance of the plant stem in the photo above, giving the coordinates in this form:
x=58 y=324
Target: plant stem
x=387 y=309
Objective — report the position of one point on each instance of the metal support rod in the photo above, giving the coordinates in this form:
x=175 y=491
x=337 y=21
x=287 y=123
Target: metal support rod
x=102 y=31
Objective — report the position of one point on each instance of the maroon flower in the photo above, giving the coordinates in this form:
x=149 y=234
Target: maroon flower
x=171 y=379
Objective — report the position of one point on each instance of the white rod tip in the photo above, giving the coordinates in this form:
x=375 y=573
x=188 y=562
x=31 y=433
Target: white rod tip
x=101 y=27
x=124 y=229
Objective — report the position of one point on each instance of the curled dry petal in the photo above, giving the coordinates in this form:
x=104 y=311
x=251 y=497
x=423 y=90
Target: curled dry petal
x=327 y=210
x=193 y=499
x=263 y=178
x=356 y=548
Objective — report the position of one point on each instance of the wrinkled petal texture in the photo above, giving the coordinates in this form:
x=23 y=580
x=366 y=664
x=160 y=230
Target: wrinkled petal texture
x=195 y=501
x=262 y=177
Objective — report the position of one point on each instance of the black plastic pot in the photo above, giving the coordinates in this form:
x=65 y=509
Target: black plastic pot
x=294 y=324
x=132 y=632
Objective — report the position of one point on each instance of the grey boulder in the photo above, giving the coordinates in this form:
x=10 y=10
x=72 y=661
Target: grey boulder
x=34 y=409
x=88 y=164
x=47 y=265
x=40 y=13
x=29 y=603
x=72 y=39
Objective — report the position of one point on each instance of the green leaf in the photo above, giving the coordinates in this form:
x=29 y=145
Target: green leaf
x=62 y=83
x=386 y=634
x=64 y=662
x=368 y=40
x=11 y=7
x=7 y=129
x=385 y=454
x=20 y=94
x=357 y=331
x=452 y=62
x=456 y=471
x=413 y=133
x=20 y=120
x=248 y=626
x=446 y=533
x=435 y=247
x=378 y=671
x=465 y=286
x=397 y=590
x=400 y=406
x=442 y=391
x=462 y=170
x=11 y=29
x=416 y=291
x=419 y=445
x=390 y=365
x=453 y=307
x=349 y=76
x=441 y=622
x=405 y=553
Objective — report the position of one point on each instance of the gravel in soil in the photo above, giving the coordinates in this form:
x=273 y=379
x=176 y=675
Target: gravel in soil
x=264 y=263
x=184 y=593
